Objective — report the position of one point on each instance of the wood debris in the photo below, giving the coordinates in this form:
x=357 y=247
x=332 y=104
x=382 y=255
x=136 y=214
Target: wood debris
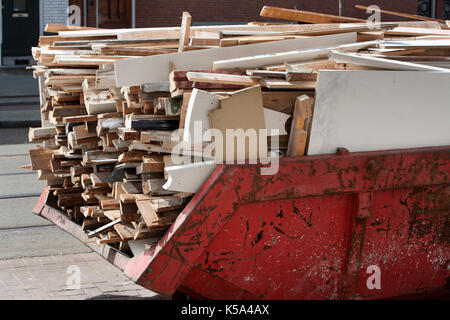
x=115 y=104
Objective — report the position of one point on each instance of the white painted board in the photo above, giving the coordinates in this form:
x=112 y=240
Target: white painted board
x=189 y=177
x=137 y=71
x=380 y=110
x=368 y=60
x=200 y=103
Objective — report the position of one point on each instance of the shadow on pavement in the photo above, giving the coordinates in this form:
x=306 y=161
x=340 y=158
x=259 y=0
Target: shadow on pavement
x=13 y=135
x=122 y=297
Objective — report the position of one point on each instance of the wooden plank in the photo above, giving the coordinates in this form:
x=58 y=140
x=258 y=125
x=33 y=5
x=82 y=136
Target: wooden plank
x=304 y=16
x=51 y=27
x=156 y=68
x=221 y=78
x=298 y=135
x=398 y=14
x=185 y=31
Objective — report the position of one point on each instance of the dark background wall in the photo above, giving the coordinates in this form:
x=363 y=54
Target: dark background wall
x=159 y=13
x=167 y=13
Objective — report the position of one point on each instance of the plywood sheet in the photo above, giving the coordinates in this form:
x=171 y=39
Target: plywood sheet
x=242 y=110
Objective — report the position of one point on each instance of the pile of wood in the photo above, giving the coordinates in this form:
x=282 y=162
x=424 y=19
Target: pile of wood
x=116 y=103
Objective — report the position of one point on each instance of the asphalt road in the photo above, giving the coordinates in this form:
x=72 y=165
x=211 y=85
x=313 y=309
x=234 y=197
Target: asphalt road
x=22 y=233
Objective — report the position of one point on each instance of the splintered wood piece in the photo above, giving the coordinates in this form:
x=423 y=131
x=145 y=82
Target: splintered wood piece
x=100 y=157
x=297 y=143
x=131 y=198
x=155 y=136
x=152 y=184
x=125 y=232
x=78 y=119
x=283 y=84
x=167 y=106
x=147 y=212
x=84 y=132
x=91 y=224
x=128 y=134
x=41 y=134
x=183 y=197
x=143 y=233
x=128 y=212
x=110 y=204
x=185 y=31
x=152 y=163
x=101 y=179
x=112 y=214
x=132 y=156
x=298 y=135
x=109 y=240
x=70 y=199
x=40 y=159
x=165 y=204
x=132 y=187
x=121 y=145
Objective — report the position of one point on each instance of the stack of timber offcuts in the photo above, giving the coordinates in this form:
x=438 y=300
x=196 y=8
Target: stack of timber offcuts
x=115 y=105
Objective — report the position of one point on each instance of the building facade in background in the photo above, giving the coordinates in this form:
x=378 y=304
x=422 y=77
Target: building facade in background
x=23 y=21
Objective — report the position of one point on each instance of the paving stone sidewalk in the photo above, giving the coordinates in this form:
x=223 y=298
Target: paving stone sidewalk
x=47 y=278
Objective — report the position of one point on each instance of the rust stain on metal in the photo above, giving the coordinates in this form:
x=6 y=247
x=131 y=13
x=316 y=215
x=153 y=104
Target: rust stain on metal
x=429 y=213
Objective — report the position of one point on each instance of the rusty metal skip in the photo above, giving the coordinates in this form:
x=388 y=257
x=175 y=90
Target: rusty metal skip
x=315 y=230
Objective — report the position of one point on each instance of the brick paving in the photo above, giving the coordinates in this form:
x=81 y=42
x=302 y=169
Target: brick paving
x=49 y=278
